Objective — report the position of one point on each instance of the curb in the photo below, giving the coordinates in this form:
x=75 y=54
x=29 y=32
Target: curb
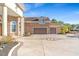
x=11 y=51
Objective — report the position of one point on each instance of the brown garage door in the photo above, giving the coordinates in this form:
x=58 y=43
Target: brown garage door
x=40 y=30
x=52 y=30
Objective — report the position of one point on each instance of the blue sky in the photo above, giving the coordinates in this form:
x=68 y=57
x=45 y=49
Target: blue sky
x=67 y=12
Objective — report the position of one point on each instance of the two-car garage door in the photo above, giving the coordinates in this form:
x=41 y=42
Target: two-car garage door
x=52 y=30
x=40 y=31
x=44 y=31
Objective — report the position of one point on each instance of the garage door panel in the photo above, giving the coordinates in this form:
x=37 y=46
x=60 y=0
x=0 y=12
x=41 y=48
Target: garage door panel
x=40 y=30
x=52 y=30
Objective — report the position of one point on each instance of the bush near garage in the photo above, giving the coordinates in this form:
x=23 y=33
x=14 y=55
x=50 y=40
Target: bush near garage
x=27 y=34
x=65 y=29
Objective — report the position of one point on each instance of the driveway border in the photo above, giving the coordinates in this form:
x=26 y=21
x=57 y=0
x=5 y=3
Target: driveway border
x=11 y=51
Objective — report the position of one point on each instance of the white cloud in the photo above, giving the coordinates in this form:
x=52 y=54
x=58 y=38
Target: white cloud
x=28 y=7
x=32 y=13
x=38 y=4
x=77 y=12
x=33 y=5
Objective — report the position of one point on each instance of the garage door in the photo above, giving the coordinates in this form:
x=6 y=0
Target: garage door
x=52 y=30
x=40 y=30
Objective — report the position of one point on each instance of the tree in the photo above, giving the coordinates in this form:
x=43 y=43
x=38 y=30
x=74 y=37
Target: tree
x=54 y=21
x=66 y=28
x=60 y=22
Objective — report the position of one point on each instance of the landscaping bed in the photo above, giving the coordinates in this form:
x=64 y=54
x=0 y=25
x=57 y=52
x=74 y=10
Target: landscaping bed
x=5 y=48
x=6 y=44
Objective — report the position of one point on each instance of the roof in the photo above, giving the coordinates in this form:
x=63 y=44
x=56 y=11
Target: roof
x=54 y=25
x=33 y=18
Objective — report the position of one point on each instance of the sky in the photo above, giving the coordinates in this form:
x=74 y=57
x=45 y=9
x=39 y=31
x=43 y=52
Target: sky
x=66 y=12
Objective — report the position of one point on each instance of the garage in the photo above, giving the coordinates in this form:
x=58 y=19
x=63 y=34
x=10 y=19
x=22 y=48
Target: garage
x=40 y=30
x=52 y=30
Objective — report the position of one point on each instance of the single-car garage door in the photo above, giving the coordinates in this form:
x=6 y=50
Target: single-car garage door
x=52 y=30
x=40 y=31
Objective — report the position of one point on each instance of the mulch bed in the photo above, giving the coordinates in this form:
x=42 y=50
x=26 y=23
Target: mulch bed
x=7 y=48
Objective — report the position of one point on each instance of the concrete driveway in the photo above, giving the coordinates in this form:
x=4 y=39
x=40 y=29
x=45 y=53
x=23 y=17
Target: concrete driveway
x=40 y=45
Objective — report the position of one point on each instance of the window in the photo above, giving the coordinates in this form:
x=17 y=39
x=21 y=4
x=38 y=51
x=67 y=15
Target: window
x=41 y=21
x=36 y=20
x=13 y=26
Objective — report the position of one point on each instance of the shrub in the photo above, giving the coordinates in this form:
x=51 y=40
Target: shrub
x=27 y=34
x=7 y=39
x=65 y=29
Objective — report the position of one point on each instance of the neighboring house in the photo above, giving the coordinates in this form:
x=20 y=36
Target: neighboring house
x=11 y=19
x=76 y=28
x=40 y=25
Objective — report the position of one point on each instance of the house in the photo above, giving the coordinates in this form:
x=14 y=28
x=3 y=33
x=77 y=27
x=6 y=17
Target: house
x=40 y=25
x=11 y=19
x=75 y=29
